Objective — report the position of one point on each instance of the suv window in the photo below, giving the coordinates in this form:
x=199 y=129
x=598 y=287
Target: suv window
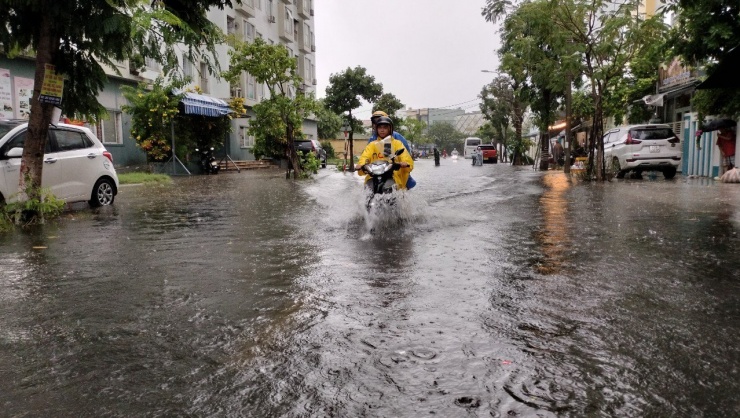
x=71 y=140
x=487 y=147
x=651 y=133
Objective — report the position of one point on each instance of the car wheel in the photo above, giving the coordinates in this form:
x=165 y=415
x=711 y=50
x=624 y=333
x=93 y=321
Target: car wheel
x=103 y=193
x=617 y=169
x=323 y=163
x=669 y=173
x=495 y=160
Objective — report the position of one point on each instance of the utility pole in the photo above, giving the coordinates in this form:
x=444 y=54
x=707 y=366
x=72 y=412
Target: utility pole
x=568 y=139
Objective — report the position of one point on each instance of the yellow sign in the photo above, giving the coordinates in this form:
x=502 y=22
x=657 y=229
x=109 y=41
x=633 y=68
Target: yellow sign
x=52 y=87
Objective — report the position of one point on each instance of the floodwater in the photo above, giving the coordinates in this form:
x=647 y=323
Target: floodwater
x=491 y=291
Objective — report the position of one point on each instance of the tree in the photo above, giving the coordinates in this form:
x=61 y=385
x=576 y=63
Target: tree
x=329 y=123
x=389 y=104
x=533 y=44
x=278 y=119
x=345 y=91
x=609 y=36
x=413 y=130
x=503 y=105
x=445 y=136
x=704 y=33
x=77 y=48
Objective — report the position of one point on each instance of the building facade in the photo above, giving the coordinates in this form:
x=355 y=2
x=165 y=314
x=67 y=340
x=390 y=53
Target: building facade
x=285 y=22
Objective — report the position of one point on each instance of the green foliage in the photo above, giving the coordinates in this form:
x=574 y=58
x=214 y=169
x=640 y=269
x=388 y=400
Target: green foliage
x=413 y=130
x=143 y=178
x=30 y=208
x=112 y=31
x=329 y=148
x=348 y=87
x=704 y=33
x=309 y=163
x=329 y=123
x=389 y=104
x=277 y=120
x=640 y=77
x=445 y=136
x=152 y=112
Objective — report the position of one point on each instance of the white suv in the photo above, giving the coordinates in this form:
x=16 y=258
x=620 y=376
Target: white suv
x=641 y=148
x=77 y=167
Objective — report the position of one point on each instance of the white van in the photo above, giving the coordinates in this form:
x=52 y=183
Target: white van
x=471 y=143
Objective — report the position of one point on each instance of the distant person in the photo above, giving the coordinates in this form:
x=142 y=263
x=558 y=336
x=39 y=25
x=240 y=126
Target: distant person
x=557 y=153
x=726 y=143
x=374 y=135
x=436 y=156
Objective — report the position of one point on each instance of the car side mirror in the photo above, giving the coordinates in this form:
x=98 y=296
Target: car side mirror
x=16 y=152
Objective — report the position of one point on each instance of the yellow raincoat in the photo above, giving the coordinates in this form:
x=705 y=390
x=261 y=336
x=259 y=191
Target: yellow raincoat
x=374 y=152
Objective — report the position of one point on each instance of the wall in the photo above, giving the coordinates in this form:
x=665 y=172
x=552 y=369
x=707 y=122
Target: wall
x=110 y=97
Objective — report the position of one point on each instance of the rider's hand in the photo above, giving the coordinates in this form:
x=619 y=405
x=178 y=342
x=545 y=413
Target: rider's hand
x=404 y=165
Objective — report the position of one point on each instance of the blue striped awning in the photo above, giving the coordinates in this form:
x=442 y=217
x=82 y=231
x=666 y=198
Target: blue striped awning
x=199 y=104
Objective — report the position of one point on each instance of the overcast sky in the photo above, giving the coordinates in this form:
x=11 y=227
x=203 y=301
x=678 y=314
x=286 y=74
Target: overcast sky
x=428 y=53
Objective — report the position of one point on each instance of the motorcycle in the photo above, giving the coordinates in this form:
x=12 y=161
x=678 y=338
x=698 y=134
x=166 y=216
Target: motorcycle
x=208 y=163
x=381 y=180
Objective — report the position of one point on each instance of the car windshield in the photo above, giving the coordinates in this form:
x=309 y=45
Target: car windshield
x=655 y=133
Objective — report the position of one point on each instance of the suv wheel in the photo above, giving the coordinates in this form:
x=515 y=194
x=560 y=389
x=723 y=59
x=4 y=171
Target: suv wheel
x=617 y=169
x=669 y=173
x=103 y=193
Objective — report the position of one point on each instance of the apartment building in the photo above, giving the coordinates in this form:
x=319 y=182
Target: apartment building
x=285 y=22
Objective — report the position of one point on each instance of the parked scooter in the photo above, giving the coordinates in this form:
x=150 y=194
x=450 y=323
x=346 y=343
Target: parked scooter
x=208 y=163
x=381 y=180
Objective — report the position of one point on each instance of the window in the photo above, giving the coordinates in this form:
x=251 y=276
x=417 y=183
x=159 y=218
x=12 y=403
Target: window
x=307 y=70
x=151 y=64
x=109 y=130
x=306 y=35
x=289 y=28
x=258 y=4
x=204 y=77
x=230 y=25
x=71 y=140
x=250 y=87
x=187 y=68
x=248 y=31
x=247 y=141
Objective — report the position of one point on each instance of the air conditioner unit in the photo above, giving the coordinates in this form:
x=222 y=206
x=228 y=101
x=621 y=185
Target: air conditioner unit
x=314 y=82
x=271 y=19
x=313 y=48
x=311 y=12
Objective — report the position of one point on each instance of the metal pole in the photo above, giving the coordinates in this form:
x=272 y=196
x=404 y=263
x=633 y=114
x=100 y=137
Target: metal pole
x=172 y=128
x=568 y=140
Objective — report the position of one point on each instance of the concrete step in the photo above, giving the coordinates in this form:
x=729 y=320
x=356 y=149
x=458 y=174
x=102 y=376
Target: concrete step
x=228 y=165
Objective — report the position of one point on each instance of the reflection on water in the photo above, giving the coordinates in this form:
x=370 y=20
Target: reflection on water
x=557 y=227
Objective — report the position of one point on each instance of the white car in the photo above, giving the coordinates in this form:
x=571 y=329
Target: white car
x=648 y=147
x=77 y=167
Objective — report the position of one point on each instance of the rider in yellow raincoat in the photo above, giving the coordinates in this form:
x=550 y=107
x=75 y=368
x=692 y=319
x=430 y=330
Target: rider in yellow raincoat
x=376 y=150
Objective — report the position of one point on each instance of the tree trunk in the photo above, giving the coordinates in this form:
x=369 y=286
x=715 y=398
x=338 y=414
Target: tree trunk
x=568 y=139
x=351 y=164
x=38 y=125
x=292 y=154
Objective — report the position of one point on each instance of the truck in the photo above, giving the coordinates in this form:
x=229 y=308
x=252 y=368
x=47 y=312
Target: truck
x=490 y=154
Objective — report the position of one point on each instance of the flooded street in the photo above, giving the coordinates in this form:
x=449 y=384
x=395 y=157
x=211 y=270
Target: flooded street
x=502 y=291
